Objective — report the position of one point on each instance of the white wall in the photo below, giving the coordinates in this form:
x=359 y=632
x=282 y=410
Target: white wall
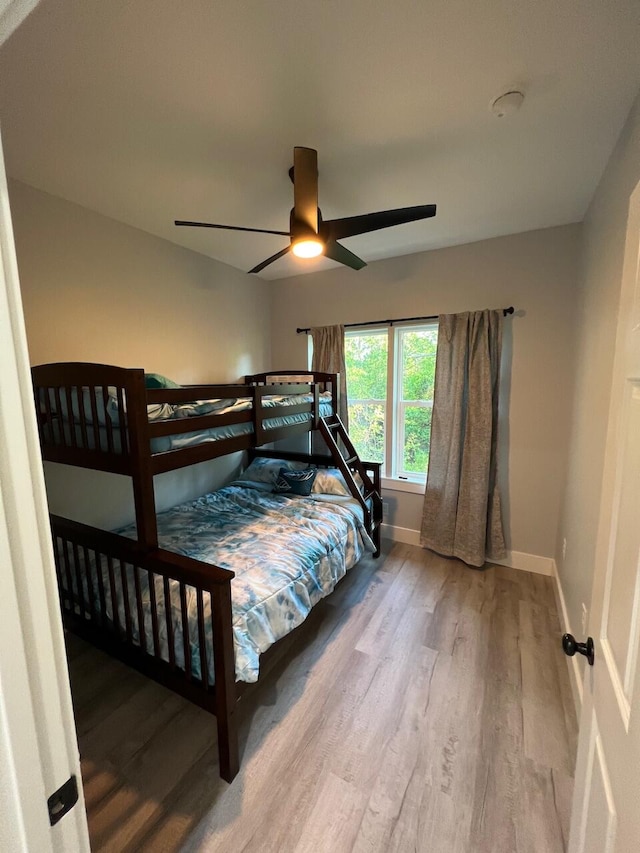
x=604 y=236
x=94 y=289
x=537 y=272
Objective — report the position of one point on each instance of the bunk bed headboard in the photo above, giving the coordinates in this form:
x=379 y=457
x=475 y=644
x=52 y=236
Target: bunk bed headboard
x=94 y=416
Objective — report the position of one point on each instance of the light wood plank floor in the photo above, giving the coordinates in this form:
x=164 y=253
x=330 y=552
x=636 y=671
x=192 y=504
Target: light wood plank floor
x=424 y=707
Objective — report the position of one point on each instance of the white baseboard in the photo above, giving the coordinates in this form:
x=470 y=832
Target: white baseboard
x=574 y=665
x=527 y=563
x=514 y=559
x=400 y=534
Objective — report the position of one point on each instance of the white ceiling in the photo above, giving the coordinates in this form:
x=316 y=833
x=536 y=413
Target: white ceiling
x=156 y=110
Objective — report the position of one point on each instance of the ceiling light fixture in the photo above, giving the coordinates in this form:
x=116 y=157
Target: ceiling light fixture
x=309 y=235
x=307 y=247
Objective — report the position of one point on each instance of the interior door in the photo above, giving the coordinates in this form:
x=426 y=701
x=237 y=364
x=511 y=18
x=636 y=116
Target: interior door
x=606 y=804
x=38 y=746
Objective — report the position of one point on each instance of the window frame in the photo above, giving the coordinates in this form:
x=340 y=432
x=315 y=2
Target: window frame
x=396 y=479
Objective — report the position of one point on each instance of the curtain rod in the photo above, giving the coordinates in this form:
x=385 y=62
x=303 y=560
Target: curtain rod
x=505 y=311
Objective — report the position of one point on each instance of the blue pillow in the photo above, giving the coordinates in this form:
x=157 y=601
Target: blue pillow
x=297 y=483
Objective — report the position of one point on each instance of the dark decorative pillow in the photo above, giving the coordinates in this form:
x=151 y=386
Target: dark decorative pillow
x=297 y=483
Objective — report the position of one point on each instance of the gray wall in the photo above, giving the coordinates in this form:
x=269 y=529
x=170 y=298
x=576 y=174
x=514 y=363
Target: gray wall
x=97 y=290
x=94 y=289
x=537 y=272
x=604 y=237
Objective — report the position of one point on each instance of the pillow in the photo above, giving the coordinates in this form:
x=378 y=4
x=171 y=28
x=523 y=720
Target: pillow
x=329 y=481
x=263 y=470
x=295 y=482
x=155 y=380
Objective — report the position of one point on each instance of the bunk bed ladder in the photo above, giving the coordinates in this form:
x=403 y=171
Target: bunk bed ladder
x=334 y=434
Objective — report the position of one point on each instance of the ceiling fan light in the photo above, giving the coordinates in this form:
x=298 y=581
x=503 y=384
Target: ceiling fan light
x=308 y=247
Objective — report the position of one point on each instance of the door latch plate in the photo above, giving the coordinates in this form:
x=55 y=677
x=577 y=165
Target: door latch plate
x=62 y=800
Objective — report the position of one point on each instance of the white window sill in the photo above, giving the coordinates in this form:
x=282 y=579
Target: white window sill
x=395 y=485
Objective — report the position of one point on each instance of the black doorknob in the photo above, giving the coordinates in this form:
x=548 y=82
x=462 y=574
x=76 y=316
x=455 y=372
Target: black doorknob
x=571 y=646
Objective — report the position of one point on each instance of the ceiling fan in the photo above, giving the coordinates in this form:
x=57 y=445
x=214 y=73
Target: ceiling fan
x=308 y=233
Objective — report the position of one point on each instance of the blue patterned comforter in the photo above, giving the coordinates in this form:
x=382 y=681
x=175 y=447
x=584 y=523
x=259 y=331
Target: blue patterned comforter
x=287 y=554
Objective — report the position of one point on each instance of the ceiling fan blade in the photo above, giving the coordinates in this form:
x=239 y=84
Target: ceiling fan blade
x=336 y=252
x=229 y=227
x=270 y=260
x=305 y=187
x=338 y=229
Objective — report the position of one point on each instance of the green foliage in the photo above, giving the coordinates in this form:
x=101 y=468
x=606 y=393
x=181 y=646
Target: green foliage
x=367 y=360
x=417 y=435
x=366 y=357
x=366 y=430
x=418 y=364
x=418 y=379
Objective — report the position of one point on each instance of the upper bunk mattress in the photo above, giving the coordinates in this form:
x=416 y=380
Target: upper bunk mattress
x=188 y=439
x=108 y=421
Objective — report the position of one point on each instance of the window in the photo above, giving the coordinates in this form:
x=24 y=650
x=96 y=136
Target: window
x=390 y=376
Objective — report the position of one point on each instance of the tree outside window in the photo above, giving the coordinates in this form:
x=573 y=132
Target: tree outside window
x=390 y=380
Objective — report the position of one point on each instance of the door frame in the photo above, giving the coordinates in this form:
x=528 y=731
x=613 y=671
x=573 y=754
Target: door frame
x=593 y=737
x=38 y=744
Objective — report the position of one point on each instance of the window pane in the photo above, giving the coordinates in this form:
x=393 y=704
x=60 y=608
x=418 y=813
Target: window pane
x=418 y=363
x=366 y=430
x=366 y=357
x=417 y=434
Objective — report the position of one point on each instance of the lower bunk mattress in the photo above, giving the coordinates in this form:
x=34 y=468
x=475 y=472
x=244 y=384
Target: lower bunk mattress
x=287 y=554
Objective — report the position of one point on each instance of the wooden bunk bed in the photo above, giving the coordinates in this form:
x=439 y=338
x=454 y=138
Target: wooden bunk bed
x=122 y=594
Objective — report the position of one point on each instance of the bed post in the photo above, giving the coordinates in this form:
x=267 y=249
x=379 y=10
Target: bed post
x=225 y=681
x=316 y=404
x=256 y=406
x=335 y=392
x=141 y=471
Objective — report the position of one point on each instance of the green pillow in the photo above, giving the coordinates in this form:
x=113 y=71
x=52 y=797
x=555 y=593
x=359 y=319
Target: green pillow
x=155 y=380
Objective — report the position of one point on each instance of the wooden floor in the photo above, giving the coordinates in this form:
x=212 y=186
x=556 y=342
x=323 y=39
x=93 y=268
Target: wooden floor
x=425 y=707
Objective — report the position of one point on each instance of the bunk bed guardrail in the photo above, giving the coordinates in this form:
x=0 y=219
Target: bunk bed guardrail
x=95 y=416
x=124 y=599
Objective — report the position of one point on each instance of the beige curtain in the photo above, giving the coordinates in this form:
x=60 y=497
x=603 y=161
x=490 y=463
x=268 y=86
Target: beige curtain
x=328 y=357
x=462 y=516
